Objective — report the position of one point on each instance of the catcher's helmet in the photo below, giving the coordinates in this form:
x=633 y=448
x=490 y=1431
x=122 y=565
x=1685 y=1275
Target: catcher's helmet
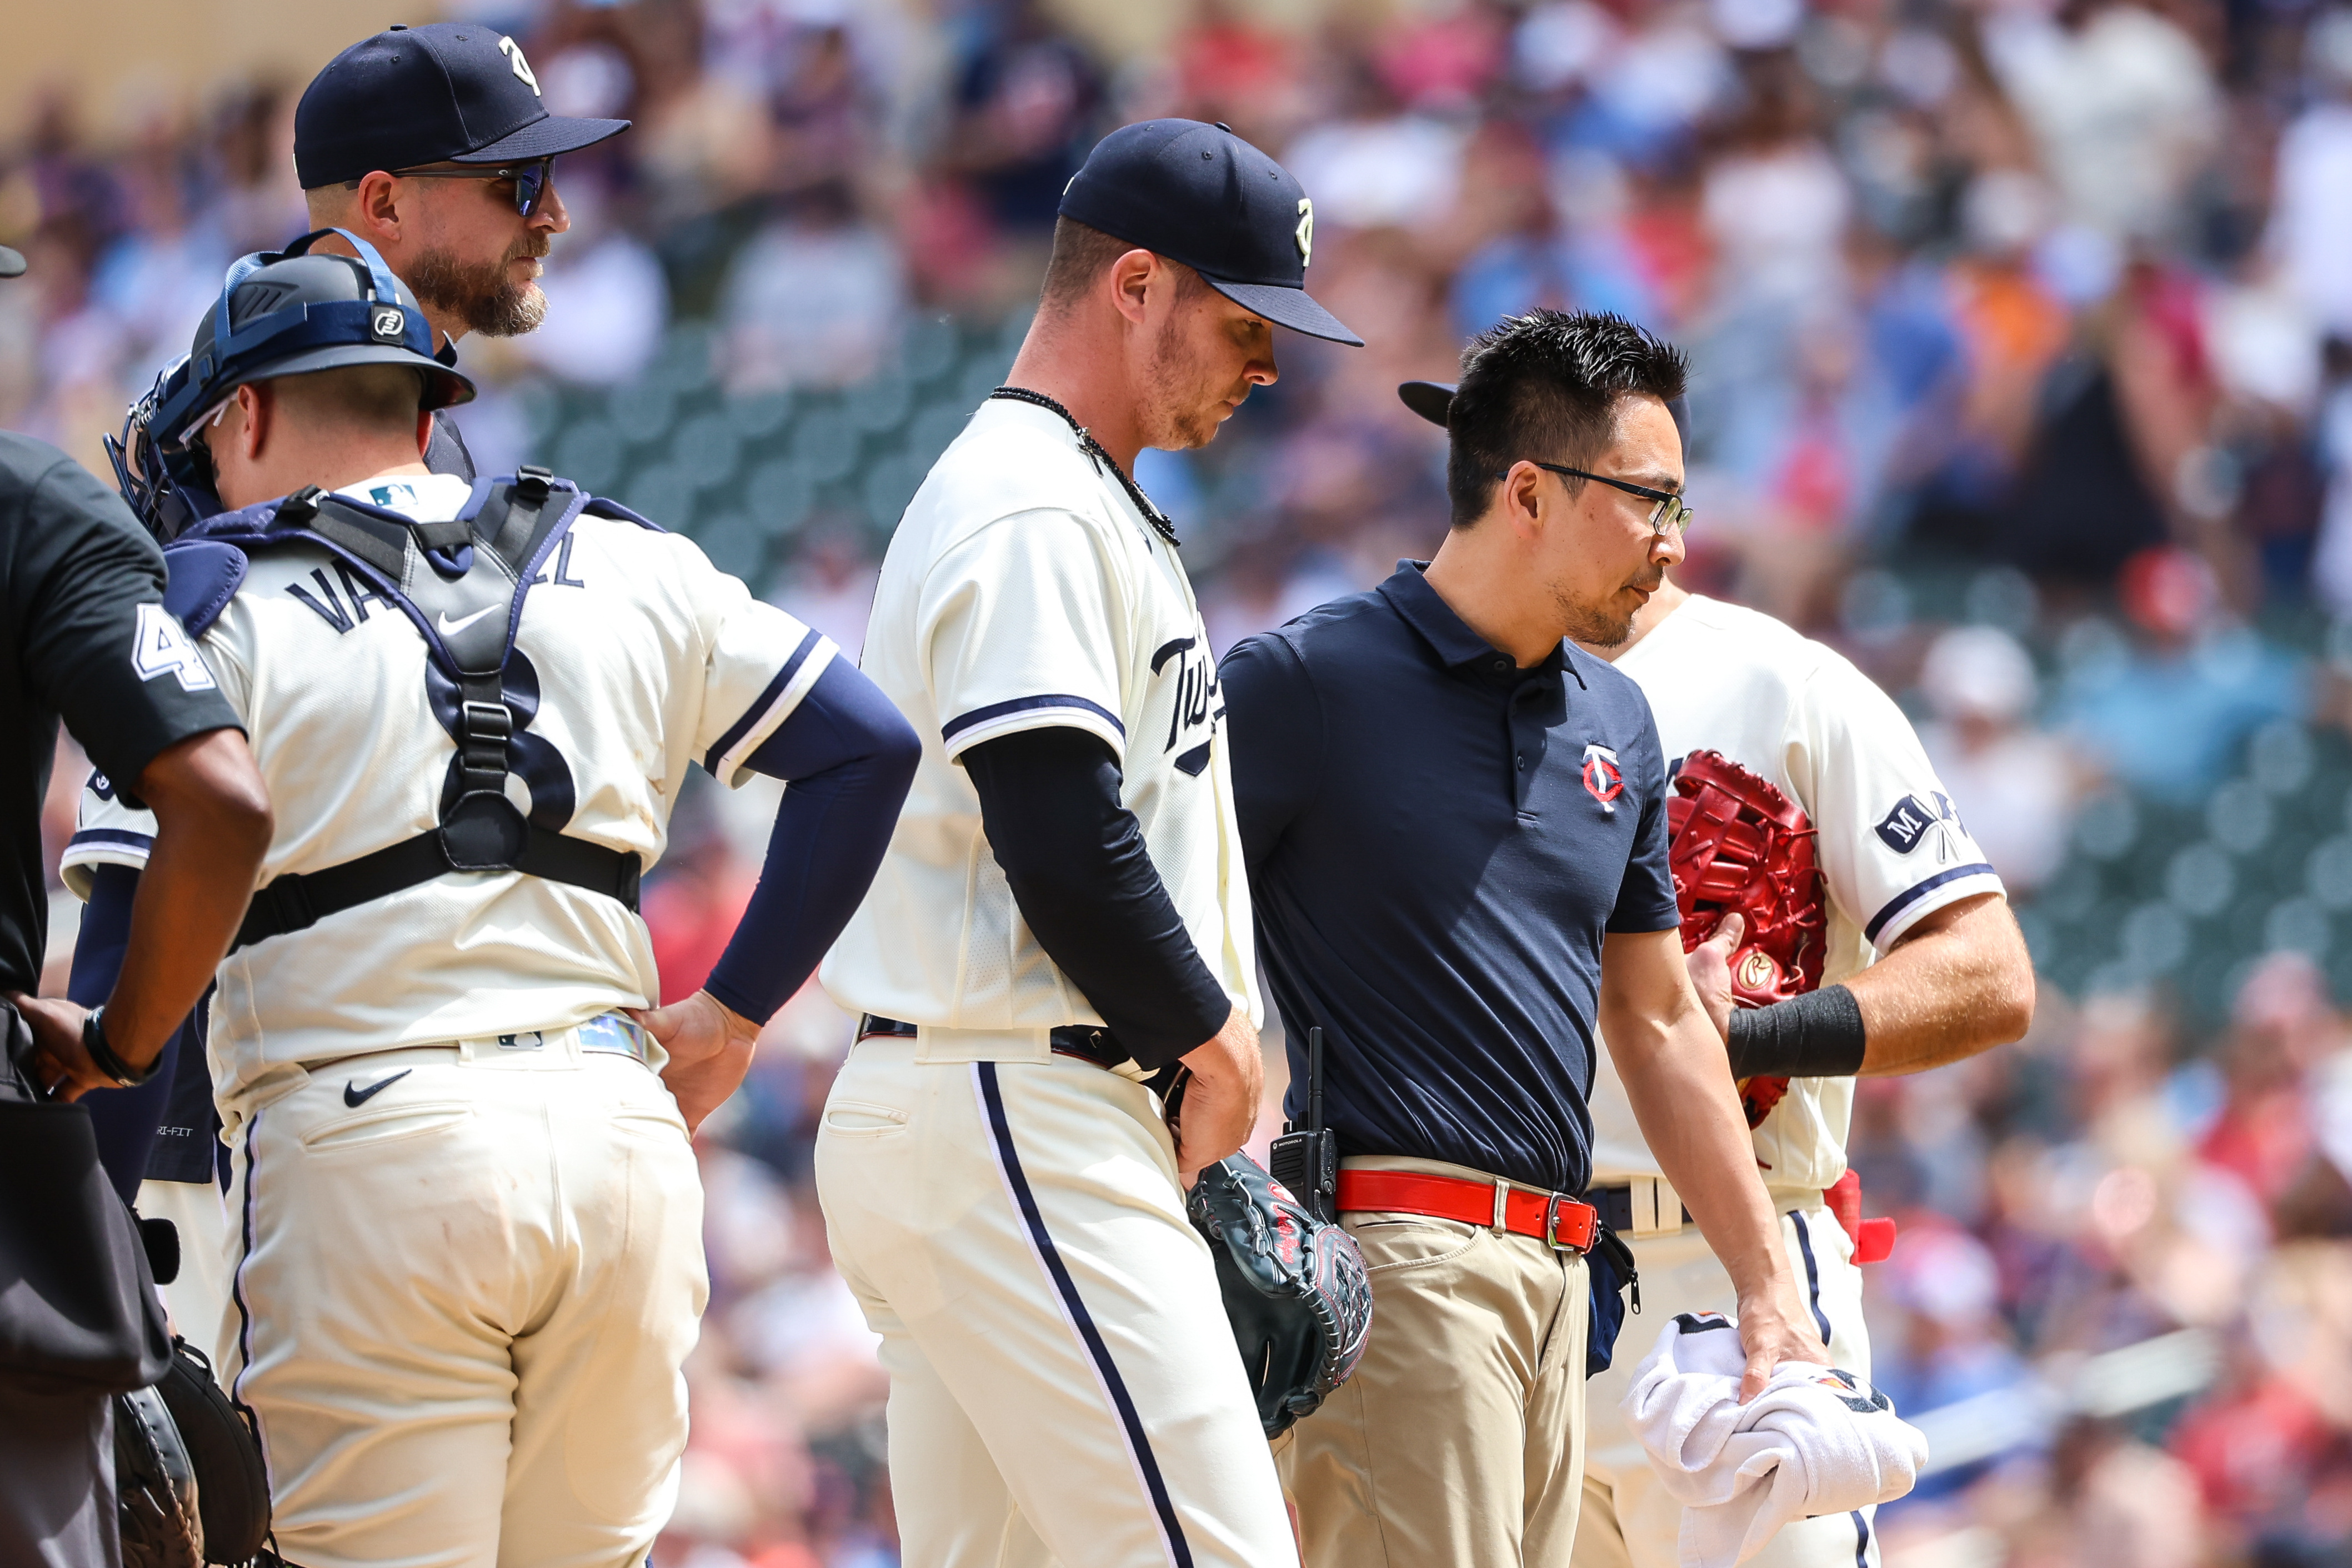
x=279 y=313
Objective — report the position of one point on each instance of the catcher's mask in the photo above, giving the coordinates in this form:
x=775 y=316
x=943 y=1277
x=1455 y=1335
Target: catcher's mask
x=281 y=313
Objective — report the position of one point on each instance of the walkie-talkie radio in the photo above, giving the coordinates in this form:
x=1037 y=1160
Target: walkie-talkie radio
x=1306 y=1160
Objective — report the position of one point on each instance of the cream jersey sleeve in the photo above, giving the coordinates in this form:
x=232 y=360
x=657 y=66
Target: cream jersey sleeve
x=759 y=663
x=1890 y=843
x=1020 y=625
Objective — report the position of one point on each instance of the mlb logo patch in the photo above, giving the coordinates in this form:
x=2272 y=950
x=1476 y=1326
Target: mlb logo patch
x=1604 y=779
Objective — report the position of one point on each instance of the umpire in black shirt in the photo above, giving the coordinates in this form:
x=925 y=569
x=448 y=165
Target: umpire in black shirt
x=1454 y=822
x=84 y=636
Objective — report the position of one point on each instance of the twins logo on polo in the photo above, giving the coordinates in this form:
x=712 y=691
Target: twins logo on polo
x=1903 y=827
x=1604 y=779
x=1198 y=701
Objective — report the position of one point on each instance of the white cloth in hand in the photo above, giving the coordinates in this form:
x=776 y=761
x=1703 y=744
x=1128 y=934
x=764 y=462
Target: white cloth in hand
x=1816 y=1441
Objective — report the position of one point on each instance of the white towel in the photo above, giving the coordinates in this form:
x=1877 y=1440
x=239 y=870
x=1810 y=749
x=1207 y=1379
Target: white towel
x=1816 y=1441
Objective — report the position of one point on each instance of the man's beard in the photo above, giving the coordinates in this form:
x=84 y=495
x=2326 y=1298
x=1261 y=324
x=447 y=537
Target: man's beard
x=479 y=294
x=1179 y=412
x=1599 y=625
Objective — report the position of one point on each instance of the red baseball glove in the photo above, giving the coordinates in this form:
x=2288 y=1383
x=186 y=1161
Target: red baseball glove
x=1738 y=844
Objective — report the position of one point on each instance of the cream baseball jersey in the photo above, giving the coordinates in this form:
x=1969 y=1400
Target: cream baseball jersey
x=635 y=658
x=1890 y=844
x=1024 y=589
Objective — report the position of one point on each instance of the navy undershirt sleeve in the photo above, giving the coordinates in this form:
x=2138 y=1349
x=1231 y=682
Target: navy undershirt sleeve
x=1075 y=858
x=124 y=1119
x=847 y=758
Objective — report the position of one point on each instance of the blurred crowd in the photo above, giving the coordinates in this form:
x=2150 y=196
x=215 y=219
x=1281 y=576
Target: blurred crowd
x=2022 y=345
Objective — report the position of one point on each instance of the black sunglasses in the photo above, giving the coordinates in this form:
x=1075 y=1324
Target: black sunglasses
x=1668 y=515
x=531 y=180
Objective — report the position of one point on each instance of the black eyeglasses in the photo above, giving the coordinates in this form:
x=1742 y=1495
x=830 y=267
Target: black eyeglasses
x=531 y=180
x=1668 y=515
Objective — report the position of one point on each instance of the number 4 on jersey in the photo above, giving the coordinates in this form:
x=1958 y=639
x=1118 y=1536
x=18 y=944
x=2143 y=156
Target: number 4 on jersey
x=161 y=648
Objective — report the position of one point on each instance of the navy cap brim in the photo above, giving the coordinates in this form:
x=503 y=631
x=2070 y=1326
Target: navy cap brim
x=544 y=139
x=1285 y=307
x=12 y=263
x=1431 y=400
x=443 y=388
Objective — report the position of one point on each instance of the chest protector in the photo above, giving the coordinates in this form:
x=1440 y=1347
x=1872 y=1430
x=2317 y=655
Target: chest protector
x=462 y=583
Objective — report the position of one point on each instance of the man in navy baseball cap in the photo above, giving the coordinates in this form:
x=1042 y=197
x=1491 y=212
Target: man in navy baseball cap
x=450 y=93
x=434 y=145
x=1201 y=195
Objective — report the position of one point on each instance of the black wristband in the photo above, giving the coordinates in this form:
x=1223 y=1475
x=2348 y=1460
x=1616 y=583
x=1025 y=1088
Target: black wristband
x=1817 y=1035
x=101 y=1054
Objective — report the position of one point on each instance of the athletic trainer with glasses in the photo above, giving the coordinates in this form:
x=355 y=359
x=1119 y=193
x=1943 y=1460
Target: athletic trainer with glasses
x=467 y=1262
x=1062 y=916
x=1454 y=821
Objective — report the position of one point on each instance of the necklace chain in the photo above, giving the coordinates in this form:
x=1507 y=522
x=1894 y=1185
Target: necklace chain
x=1101 y=455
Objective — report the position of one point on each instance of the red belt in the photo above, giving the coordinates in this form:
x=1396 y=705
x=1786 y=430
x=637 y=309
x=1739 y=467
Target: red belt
x=1552 y=1217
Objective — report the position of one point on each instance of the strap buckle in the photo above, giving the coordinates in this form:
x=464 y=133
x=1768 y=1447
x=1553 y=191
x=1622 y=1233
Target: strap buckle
x=483 y=731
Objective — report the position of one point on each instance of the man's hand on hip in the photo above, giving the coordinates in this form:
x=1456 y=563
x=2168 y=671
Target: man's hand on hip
x=1221 y=1102
x=710 y=1047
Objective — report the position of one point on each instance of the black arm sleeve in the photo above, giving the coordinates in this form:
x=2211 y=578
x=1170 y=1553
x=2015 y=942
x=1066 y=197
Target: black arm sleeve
x=1075 y=858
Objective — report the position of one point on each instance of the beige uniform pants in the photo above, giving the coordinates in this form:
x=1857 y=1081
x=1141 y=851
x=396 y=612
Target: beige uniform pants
x=199 y=1299
x=1629 y=1521
x=467 y=1276
x=1458 y=1441
x=1064 y=1382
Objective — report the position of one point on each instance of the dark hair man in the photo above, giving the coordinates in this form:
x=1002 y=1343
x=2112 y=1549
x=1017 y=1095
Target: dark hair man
x=1455 y=828
x=84 y=636
x=1062 y=913
x=431 y=143
x=467 y=1250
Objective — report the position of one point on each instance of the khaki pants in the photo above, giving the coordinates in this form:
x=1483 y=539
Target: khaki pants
x=1064 y=1382
x=1459 y=1441
x=467 y=1279
x=1629 y=1521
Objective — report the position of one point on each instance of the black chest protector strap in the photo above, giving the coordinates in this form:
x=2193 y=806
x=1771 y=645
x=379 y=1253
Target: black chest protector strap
x=467 y=610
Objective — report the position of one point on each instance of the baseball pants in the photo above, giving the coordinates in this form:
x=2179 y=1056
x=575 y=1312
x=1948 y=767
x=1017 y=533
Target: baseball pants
x=1064 y=1384
x=466 y=1279
x=1629 y=1521
x=1457 y=1442
x=197 y=1300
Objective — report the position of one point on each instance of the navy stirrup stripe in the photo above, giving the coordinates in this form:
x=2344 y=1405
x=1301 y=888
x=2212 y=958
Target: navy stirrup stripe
x=1861 y=1539
x=1812 y=1275
x=1138 y=1446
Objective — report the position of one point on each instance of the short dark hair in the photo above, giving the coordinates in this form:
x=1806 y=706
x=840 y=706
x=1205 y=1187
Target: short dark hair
x=1080 y=254
x=368 y=397
x=1547 y=385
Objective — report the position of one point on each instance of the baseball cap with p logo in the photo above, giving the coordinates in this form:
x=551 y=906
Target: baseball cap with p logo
x=448 y=92
x=1200 y=194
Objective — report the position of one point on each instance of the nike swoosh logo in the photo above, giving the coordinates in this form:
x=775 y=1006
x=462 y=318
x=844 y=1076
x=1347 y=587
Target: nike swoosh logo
x=355 y=1095
x=451 y=628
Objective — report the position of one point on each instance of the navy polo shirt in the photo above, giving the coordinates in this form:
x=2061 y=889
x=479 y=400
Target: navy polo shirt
x=1437 y=841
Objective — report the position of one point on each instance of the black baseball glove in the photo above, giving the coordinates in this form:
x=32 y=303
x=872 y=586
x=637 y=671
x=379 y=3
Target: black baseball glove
x=1295 y=1288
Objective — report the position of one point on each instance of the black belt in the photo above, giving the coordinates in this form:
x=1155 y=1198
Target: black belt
x=300 y=899
x=1087 y=1042
x=1616 y=1207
